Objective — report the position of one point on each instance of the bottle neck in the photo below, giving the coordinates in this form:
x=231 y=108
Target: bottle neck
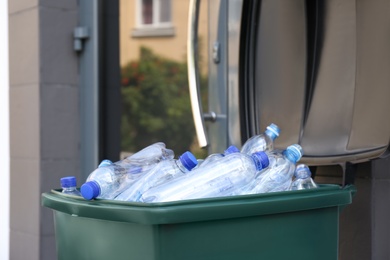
x=68 y=188
x=180 y=166
x=289 y=156
x=303 y=175
x=271 y=135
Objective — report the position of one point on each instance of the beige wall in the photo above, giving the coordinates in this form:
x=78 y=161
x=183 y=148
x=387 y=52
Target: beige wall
x=44 y=118
x=173 y=47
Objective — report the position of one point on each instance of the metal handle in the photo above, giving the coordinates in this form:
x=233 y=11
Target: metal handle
x=193 y=73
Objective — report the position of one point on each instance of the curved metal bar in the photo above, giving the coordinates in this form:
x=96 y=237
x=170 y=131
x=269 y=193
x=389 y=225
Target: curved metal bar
x=193 y=73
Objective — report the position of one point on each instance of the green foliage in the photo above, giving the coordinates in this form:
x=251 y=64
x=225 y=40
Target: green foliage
x=156 y=104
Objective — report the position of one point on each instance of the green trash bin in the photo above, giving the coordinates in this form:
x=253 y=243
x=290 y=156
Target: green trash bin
x=300 y=225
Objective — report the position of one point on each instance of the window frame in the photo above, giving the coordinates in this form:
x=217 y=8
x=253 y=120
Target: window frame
x=156 y=15
x=156 y=28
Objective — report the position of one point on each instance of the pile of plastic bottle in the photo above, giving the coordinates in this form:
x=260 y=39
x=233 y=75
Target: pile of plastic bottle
x=154 y=175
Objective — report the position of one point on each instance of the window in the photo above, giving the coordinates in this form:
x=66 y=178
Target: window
x=154 y=18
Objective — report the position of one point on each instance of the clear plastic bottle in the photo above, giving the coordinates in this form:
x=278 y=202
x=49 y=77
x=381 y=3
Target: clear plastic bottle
x=150 y=155
x=69 y=186
x=262 y=142
x=215 y=156
x=303 y=180
x=164 y=172
x=110 y=179
x=217 y=179
x=278 y=176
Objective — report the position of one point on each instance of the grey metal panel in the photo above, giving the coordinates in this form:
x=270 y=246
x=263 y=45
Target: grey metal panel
x=320 y=73
x=326 y=86
x=224 y=29
x=348 y=118
x=371 y=121
x=280 y=71
x=233 y=110
x=328 y=124
x=217 y=130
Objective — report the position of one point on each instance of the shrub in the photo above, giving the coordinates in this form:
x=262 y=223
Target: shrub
x=156 y=104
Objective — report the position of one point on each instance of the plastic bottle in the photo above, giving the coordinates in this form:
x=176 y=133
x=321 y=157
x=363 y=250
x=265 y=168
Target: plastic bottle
x=69 y=185
x=217 y=179
x=164 y=172
x=215 y=156
x=150 y=155
x=278 y=176
x=303 y=180
x=262 y=142
x=110 y=179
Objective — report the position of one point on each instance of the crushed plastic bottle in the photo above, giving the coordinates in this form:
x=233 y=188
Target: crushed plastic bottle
x=110 y=179
x=164 y=172
x=220 y=178
x=303 y=180
x=150 y=155
x=262 y=142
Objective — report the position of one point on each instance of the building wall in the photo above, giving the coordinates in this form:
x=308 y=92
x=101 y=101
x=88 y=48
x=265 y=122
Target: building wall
x=44 y=118
x=174 y=47
x=4 y=132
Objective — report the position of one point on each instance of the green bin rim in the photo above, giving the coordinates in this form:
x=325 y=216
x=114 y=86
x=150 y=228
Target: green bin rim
x=327 y=195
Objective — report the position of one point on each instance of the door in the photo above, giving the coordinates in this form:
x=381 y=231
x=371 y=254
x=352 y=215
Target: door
x=318 y=69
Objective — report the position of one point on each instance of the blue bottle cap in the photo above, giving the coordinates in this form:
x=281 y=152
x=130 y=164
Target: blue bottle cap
x=90 y=190
x=105 y=163
x=294 y=152
x=272 y=131
x=261 y=160
x=188 y=160
x=231 y=149
x=302 y=171
x=69 y=181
